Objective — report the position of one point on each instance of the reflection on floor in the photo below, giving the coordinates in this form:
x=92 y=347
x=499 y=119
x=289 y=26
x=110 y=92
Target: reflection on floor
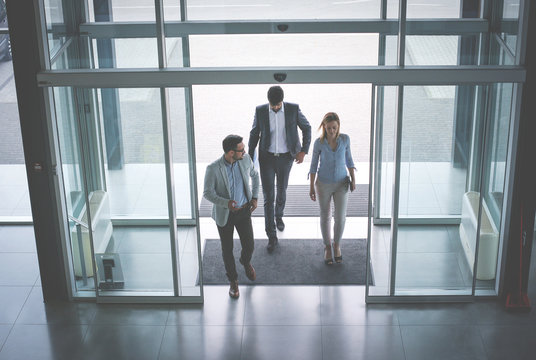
x=266 y=322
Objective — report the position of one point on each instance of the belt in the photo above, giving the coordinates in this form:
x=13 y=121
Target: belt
x=279 y=154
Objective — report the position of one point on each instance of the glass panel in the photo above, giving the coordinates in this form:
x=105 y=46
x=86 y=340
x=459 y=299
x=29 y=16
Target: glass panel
x=183 y=170
x=138 y=257
x=286 y=50
x=430 y=186
x=136 y=177
x=54 y=20
x=280 y=9
x=436 y=259
x=174 y=53
x=387 y=99
x=74 y=187
x=418 y=9
x=125 y=53
x=432 y=50
x=380 y=244
x=493 y=185
x=510 y=18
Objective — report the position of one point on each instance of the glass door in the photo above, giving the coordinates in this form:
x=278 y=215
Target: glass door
x=434 y=149
x=136 y=234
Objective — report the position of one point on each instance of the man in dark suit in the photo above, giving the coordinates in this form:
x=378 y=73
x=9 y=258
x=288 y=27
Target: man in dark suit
x=276 y=126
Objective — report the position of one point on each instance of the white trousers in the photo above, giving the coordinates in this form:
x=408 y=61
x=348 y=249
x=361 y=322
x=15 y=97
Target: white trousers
x=339 y=193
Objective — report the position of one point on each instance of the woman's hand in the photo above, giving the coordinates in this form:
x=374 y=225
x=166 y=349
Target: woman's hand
x=312 y=194
x=352 y=186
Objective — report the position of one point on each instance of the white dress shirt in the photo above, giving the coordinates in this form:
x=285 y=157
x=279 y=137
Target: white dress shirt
x=278 y=132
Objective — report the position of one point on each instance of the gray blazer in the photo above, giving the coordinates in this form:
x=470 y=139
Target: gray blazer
x=217 y=191
x=294 y=119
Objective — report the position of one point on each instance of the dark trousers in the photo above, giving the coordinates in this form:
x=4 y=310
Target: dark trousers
x=241 y=220
x=272 y=168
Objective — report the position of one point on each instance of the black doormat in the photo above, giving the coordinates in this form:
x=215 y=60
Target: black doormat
x=299 y=203
x=293 y=262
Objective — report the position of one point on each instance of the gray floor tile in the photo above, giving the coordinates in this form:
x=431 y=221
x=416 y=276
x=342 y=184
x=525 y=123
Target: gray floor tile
x=17 y=239
x=43 y=342
x=145 y=240
x=218 y=309
x=283 y=305
x=18 y=269
x=442 y=342
x=362 y=342
x=282 y=342
x=345 y=305
x=201 y=342
x=147 y=272
x=12 y=299
x=35 y=311
x=131 y=314
x=424 y=239
x=495 y=313
x=122 y=342
x=434 y=270
x=435 y=314
x=509 y=342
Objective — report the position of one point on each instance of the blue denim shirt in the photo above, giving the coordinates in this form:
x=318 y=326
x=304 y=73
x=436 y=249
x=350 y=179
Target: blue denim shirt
x=333 y=163
x=236 y=183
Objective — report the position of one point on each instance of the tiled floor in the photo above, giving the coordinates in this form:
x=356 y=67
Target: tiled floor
x=266 y=322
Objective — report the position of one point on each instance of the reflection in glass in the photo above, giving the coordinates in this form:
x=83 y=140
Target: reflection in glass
x=284 y=50
x=128 y=10
x=282 y=10
x=436 y=9
x=436 y=259
x=126 y=53
x=187 y=239
x=432 y=50
x=136 y=188
x=74 y=189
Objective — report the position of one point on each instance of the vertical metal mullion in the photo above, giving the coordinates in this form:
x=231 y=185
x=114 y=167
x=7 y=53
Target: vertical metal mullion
x=398 y=147
x=168 y=148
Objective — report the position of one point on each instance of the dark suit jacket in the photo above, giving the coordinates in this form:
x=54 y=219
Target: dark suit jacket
x=294 y=119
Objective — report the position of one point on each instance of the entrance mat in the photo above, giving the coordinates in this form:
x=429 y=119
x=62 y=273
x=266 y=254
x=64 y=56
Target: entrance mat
x=299 y=203
x=293 y=262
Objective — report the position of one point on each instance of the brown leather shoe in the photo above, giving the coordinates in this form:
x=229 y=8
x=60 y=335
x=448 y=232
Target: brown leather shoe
x=250 y=271
x=233 y=290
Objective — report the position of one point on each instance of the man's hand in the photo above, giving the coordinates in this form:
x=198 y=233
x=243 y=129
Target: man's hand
x=299 y=157
x=232 y=205
x=253 y=205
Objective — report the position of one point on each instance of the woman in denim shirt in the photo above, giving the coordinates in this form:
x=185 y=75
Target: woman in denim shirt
x=332 y=150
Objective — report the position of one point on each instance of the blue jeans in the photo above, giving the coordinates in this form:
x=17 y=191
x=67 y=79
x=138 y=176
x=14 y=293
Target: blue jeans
x=272 y=168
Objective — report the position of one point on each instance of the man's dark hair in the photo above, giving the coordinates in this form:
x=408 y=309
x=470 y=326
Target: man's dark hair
x=275 y=95
x=230 y=142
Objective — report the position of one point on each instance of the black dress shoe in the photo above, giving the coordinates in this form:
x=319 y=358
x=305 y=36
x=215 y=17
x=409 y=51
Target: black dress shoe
x=272 y=243
x=280 y=224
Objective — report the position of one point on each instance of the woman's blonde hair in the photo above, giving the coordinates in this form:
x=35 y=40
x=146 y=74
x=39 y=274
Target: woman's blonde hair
x=329 y=117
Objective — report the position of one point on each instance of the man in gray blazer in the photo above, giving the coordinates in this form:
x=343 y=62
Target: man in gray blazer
x=276 y=126
x=227 y=188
